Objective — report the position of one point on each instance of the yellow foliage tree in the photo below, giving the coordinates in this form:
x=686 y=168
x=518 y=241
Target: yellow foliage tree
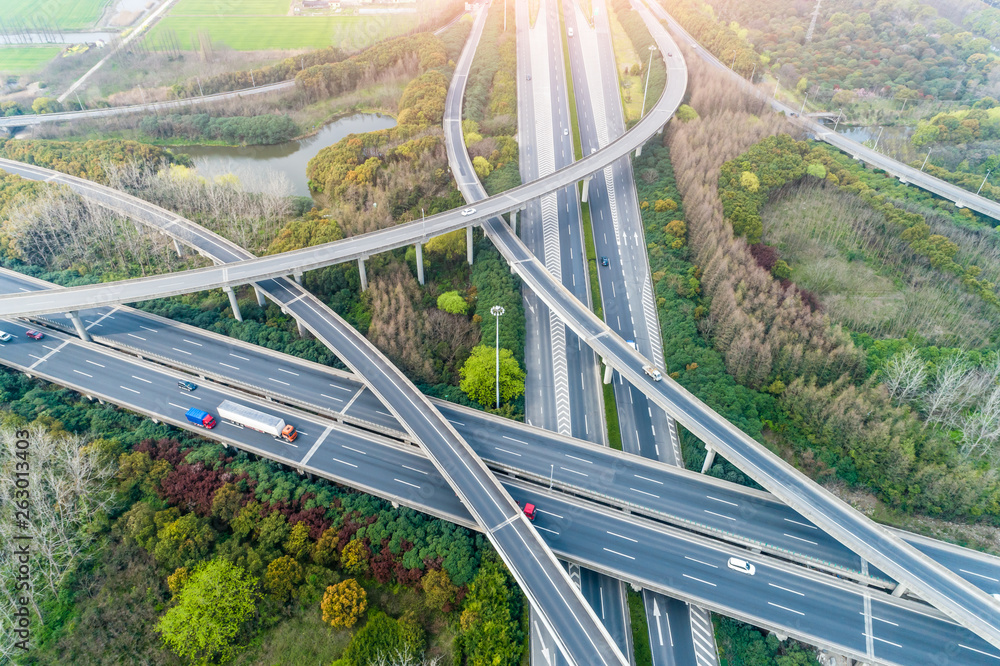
x=354 y=557
x=283 y=574
x=344 y=603
x=749 y=181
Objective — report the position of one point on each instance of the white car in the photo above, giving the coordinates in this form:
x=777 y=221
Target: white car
x=736 y=564
x=5 y=336
x=468 y=211
x=565 y=131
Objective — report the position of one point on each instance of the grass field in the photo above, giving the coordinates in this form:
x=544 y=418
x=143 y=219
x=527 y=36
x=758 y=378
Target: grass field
x=840 y=249
x=625 y=56
x=66 y=14
x=256 y=33
x=232 y=7
x=24 y=59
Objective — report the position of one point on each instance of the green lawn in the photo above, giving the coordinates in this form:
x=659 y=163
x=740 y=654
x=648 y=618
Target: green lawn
x=66 y=14
x=231 y=8
x=24 y=59
x=256 y=33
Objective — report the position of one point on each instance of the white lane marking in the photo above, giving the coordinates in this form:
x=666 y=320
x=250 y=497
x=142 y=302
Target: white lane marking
x=792 y=536
x=289 y=372
x=414 y=469
x=243 y=358
x=312 y=450
x=141 y=379
x=46 y=357
x=228 y=366
x=722 y=500
x=545 y=529
x=622 y=536
x=589 y=462
x=973 y=573
x=787 y=589
x=192 y=342
x=147 y=328
x=790 y=610
x=458 y=423
x=812 y=527
x=515 y=440
x=636 y=490
x=183 y=351
x=548 y=513
x=407 y=483
x=345 y=463
x=278 y=381
x=660 y=483
x=573 y=471
x=80 y=372
x=128 y=389
x=351 y=448
x=176 y=405
x=988 y=654
x=94 y=363
x=506 y=451
x=137 y=337
x=876 y=638
x=881 y=620
x=719 y=515
x=700 y=580
x=331 y=397
x=342 y=388
x=707 y=564
x=621 y=554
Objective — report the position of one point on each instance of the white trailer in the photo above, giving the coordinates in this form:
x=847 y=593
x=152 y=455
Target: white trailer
x=248 y=417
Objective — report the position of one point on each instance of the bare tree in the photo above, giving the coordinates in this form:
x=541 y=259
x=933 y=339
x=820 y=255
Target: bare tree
x=904 y=376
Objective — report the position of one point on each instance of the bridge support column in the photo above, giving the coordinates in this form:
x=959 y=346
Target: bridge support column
x=364 y=275
x=709 y=459
x=638 y=151
x=420 y=262
x=233 y=304
x=81 y=330
x=468 y=244
x=607 y=371
x=303 y=331
x=586 y=189
x=660 y=131
x=260 y=296
x=899 y=590
x=178 y=248
x=298 y=277
x=513 y=222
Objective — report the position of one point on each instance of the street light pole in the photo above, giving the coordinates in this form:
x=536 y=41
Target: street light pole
x=497 y=311
x=880 y=130
x=552 y=471
x=733 y=66
x=752 y=72
x=983 y=183
x=838 y=119
x=802 y=110
x=649 y=66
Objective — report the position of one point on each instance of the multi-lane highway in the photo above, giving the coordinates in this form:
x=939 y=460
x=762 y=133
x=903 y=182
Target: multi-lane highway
x=153 y=107
x=812 y=607
x=948 y=592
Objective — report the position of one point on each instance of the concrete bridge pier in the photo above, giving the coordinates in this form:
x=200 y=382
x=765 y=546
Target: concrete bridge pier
x=364 y=275
x=638 y=150
x=899 y=590
x=233 y=304
x=303 y=331
x=607 y=371
x=178 y=248
x=298 y=277
x=513 y=222
x=81 y=330
x=260 y=296
x=586 y=189
x=709 y=459
x=420 y=262
x=468 y=244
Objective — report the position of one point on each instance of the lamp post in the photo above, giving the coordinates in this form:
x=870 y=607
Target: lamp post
x=880 y=130
x=984 y=182
x=733 y=66
x=925 y=159
x=649 y=66
x=839 y=113
x=804 y=99
x=752 y=72
x=497 y=311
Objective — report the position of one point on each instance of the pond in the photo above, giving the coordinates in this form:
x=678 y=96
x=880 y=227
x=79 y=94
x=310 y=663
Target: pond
x=259 y=164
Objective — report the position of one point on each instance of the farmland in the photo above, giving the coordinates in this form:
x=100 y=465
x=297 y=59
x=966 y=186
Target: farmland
x=24 y=59
x=66 y=14
x=259 y=32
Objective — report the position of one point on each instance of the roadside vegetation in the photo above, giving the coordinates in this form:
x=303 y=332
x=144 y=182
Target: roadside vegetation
x=641 y=41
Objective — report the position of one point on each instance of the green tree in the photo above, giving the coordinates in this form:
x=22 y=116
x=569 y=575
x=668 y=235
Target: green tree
x=212 y=608
x=183 y=542
x=325 y=551
x=438 y=589
x=781 y=270
x=479 y=376
x=452 y=301
x=298 y=543
x=282 y=577
x=383 y=636
x=491 y=620
x=227 y=502
x=344 y=603
x=816 y=169
x=686 y=113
